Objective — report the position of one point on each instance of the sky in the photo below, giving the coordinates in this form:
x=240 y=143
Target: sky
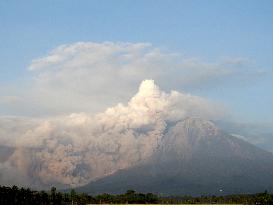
x=85 y=82
x=210 y=31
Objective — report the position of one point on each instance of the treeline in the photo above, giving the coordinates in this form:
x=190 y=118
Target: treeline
x=264 y=198
x=25 y=196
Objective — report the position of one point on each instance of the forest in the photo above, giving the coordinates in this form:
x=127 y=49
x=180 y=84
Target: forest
x=25 y=196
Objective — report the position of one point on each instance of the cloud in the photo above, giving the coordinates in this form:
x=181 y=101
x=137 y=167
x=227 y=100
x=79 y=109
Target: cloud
x=72 y=150
x=89 y=77
x=258 y=134
x=104 y=133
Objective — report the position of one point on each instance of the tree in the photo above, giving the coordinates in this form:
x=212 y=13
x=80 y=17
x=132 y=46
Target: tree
x=53 y=195
x=72 y=196
x=264 y=198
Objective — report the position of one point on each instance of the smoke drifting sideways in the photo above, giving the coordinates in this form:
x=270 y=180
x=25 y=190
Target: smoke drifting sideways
x=68 y=151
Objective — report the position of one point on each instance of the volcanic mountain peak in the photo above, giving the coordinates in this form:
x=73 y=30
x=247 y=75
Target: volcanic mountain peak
x=195 y=126
x=195 y=157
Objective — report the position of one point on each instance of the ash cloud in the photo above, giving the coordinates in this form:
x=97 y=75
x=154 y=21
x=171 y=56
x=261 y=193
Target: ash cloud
x=89 y=77
x=71 y=150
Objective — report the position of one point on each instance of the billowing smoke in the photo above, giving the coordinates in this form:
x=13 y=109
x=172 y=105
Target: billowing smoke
x=72 y=150
x=89 y=77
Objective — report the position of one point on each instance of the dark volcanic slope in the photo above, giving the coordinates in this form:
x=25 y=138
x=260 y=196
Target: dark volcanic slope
x=195 y=158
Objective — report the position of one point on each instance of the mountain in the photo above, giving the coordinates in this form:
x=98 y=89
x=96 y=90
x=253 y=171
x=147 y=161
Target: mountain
x=194 y=157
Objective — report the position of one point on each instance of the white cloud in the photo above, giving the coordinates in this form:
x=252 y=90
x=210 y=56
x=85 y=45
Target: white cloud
x=88 y=77
x=72 y=150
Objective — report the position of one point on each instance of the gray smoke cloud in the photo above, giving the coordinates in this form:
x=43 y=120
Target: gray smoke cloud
x=71 y=150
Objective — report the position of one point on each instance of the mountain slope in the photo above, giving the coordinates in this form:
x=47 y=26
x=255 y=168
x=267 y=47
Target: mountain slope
x=195 y=157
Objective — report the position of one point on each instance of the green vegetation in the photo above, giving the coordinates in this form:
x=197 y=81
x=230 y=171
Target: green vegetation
x=25 y=196
x=251 y=199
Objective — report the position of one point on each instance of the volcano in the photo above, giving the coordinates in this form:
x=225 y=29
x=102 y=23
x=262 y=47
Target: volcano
x=194 y=157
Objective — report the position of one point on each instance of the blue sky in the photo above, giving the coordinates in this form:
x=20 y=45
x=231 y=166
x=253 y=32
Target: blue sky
x=207 y=30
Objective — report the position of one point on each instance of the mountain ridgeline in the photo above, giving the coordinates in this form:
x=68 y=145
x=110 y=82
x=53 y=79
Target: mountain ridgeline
x=194 y=157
